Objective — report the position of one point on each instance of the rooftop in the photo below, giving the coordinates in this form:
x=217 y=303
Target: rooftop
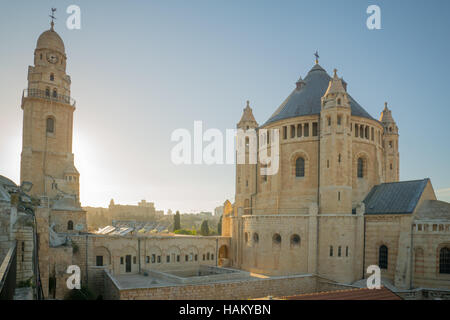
x=306 y=99
x=394 y=197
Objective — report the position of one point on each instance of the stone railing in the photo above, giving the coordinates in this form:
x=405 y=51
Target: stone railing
x=48 y=95
x=8 y=275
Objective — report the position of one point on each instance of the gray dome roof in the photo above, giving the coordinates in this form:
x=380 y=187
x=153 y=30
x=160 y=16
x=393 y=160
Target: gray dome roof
x=307 y=100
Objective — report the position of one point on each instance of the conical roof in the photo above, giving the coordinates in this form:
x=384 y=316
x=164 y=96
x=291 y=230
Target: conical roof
x=306 y=100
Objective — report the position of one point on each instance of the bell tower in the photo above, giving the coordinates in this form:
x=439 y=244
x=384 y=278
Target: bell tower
x=390 y=143
x=47 y=159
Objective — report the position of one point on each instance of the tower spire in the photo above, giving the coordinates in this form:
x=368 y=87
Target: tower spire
x=316 y=54
x=52 y=15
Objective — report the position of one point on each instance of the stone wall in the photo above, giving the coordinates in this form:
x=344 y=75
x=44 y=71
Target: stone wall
x=230 y=290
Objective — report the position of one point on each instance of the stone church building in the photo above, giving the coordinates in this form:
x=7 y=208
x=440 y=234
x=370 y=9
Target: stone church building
x=335 y=206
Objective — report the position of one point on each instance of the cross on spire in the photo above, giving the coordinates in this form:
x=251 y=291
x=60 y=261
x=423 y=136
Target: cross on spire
x=52 y=15
x=317 y=57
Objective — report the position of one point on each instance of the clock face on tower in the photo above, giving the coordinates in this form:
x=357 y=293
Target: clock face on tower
x=52 y=57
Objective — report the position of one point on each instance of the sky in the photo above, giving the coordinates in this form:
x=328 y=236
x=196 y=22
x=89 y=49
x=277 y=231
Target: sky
x=141 y=70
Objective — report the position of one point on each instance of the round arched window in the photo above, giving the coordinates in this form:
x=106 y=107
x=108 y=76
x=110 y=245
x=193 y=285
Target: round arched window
x=255 y=237
x=295 y=240
x=276 y=238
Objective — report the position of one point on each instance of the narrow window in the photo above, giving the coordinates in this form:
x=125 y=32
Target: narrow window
x=360 y=168
x=52 y=77
x=315 y=129
x=212 y=256
x=300 y=167
x=153 y=258
x=167 y=258
x=329 y=121
x=178 y=258
x=306 y=130
x=339 y=196
x=159 y=259
x=444 y=260
x=196 y=257
x=339 y=120
x=383 y=257
x=372 y=135
x=346 y=251
x=55 y=93
x=186 y=258
x=285 y=132
x=47 y=92
x=339 y=251
x=361 y=131
x=339 y=158
x=299 y=130
x=339 y=102
x=70 y=225
x=292 y=131
x=121 y=260
x=147 y=259
x=50 y=125
x=331 y=251
x=356 y=130
x=134 y=260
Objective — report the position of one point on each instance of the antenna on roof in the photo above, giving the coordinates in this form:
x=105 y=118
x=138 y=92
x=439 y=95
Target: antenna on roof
x=52 y=24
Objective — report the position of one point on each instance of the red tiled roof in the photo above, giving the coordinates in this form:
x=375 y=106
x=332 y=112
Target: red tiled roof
x=350 y=294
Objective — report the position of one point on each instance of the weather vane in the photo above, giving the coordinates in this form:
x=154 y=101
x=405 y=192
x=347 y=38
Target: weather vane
x=53 y=17
x=317 y=56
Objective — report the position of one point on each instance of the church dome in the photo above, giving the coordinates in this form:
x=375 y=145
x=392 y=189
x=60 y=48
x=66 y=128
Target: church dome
x=50 y=40
x=306 y=99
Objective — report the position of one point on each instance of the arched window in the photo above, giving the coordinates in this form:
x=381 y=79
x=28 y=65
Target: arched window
x=55 y=93
x=276 y=238
x=444 y=260
x=383 y=257
x=47 y=92
x=300 y=167
x=255 y=237
x=295 y=240
x=70 y=225
x=360 y=167
x=50 y=125
x=299 y=130
x=52 y=77
x=331 y=251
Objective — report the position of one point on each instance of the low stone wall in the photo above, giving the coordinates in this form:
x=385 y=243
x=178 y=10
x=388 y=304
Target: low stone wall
x=111 y=287
x=229 y=290
x=218 y=274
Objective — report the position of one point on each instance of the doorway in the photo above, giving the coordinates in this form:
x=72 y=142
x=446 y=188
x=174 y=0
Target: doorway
x=128 y=263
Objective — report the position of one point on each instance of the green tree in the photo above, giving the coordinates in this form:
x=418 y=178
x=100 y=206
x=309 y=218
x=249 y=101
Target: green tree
x=204 y=229
x=176 y=221
x=219 y=226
